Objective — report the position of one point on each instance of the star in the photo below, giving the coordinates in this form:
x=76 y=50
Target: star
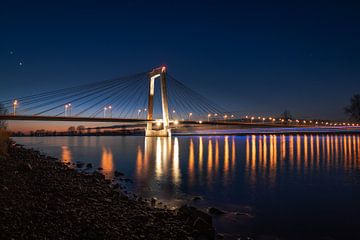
x=20 y=63
x=11 y=52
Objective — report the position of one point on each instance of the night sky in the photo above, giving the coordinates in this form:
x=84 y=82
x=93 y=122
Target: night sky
x=255 y=57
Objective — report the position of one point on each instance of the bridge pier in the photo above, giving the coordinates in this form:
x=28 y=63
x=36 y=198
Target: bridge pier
x=165 y=131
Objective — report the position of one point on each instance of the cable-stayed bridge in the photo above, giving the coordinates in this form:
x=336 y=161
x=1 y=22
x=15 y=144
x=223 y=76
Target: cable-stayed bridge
x=151 y=97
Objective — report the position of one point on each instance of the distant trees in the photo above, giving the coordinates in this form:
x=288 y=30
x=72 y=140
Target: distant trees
x=3 y=111
x=72 y=130
x=353 y=110
x=286 y=115
x=80 y=129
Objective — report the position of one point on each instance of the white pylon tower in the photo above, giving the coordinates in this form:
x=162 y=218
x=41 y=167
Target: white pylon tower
x=158 y=73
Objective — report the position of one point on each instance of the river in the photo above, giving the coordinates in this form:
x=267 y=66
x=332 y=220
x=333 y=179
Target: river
x=301 y=186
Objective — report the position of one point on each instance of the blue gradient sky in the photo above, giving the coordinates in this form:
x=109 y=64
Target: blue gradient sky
x=255 y=57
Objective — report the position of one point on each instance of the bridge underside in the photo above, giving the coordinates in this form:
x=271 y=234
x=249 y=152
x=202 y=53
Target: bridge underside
x=122 y=120
x=69 y=119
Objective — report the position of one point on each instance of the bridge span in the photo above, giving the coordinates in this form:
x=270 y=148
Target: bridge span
x=115 y=120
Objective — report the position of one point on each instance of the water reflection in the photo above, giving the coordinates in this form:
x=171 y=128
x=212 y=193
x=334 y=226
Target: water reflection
x=269 y=173
x=176 y=163
x=66 y=154
x=160 y=159
x=267 y=156
x=107 y=163
x=191 y=163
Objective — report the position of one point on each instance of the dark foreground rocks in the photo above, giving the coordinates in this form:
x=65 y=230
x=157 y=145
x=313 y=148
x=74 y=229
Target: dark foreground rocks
x=41 y=198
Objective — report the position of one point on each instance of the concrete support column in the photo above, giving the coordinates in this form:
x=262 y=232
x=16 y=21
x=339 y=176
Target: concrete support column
x=165 y=131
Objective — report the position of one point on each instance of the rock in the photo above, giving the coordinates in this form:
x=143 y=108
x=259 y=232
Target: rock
x=99 y=175
x=79 y=164
x=204 y=230
x=29 y=166
x=196 y=198
x=244 y=214
x=128 y=180
x=192 y=214
x=199 y=221
x=82 y=204
x=118 y=174
x=215 y=211
x=153 y=200
x=220 y=236
x=51 y=158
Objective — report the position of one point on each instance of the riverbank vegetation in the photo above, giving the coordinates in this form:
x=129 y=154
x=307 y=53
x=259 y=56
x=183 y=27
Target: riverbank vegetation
x=4 y=141
x=353 y=109
x=4 y=134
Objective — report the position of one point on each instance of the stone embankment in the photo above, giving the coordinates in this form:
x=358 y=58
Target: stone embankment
x=42 y=198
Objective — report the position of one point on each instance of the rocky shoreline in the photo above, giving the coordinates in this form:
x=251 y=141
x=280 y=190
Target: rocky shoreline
x=42 y=198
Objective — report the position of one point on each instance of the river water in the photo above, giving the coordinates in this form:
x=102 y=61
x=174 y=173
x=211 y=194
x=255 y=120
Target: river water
x=292 y=186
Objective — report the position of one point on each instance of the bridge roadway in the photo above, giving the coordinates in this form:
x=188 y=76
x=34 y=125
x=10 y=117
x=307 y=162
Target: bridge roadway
x=109 y=120
x=68 y=119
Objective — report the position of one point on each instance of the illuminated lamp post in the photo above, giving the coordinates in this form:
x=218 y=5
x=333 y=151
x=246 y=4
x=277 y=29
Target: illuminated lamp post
x=15 y=104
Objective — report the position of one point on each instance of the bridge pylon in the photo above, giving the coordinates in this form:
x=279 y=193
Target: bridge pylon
x=158 y=73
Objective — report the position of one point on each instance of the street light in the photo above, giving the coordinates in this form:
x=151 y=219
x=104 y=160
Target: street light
x=15 y=103
x=105 y=108
x=225 y=117
x=252 y=118
x=139 y=111
x=66 y=109
x=209 y=115
x=110 y=110
x=190 y=114
x=69 y=107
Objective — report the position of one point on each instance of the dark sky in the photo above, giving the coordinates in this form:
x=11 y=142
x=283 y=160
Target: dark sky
x=255 y=57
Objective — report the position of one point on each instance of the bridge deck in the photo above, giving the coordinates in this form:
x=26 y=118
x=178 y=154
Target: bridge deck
x=68 y=119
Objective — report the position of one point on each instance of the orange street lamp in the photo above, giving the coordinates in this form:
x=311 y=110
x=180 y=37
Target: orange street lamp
x=66 y=109
x=110 y=110
x=105 y=108
x=15 y=104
